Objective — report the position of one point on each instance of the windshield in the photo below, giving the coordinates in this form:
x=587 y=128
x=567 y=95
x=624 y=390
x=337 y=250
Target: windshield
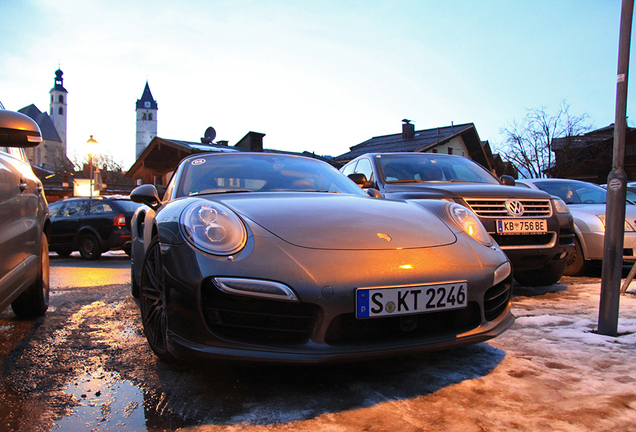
x=574 y=192
x=223 y=173
x=428 y=167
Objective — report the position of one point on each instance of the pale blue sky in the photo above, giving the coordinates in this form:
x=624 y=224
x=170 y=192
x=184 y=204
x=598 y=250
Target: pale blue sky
x=312 y=75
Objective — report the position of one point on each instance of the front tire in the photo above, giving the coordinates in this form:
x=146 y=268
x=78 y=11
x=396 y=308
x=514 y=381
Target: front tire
x=576 y=261
x=153 y=302
x=89 y=247
x=35 y=300
x=548 y=275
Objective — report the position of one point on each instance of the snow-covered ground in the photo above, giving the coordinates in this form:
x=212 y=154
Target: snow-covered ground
x=550 y=372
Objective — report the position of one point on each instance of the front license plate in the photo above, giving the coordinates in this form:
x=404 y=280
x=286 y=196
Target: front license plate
x=378 y=302
x=522 y=226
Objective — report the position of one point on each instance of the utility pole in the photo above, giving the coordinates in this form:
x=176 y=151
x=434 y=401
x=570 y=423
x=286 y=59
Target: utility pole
x=616 y=189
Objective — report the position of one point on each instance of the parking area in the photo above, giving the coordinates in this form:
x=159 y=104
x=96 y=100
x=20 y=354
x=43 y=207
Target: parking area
x=86 y=366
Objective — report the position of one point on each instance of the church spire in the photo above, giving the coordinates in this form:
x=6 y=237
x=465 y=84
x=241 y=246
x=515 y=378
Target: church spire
x=59 y=106
x=59 y=82
x=146 y=108
x=146 y=100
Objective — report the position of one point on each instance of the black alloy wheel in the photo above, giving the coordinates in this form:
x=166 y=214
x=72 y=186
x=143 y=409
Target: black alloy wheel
x=89 y=247
x=152 y=301
x=35 y=300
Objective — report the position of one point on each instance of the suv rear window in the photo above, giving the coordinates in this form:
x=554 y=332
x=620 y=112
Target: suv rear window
x=128 y=206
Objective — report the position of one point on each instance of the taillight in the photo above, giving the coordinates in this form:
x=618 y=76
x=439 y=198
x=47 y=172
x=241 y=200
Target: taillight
x=119 y=220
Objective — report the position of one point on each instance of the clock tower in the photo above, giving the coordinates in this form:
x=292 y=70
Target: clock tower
x=146 y=109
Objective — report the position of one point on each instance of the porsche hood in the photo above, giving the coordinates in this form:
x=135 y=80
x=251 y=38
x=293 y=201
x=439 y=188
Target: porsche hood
x=343 y=222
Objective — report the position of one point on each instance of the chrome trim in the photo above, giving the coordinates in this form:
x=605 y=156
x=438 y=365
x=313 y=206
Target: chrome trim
x=255 y=288
x=497 y=207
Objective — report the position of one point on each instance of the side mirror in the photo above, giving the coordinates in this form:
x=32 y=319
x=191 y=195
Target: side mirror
x=360 y=180
x=146 y=194
x=507 y=180
x=374 y=193
x=18 y=130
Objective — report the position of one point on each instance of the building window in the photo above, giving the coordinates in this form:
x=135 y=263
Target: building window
x=143 y=116
x=434 y=150
x=61 y=99
x=60 y=111
x=158 y=180
x=139 y=182
x=149 y=116
x=450 y=150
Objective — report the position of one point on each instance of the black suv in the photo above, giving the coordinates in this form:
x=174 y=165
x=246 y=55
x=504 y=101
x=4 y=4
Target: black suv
x=534 y=229
x=24 y=226
x=91 y=225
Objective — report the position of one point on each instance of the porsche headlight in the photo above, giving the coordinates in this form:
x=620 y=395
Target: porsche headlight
x=213 y=228
x=468 y=222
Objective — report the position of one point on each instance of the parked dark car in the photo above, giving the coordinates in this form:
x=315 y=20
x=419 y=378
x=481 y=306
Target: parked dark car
x=535 y=230
x=91 y=226
x=275 y=257
x=24 y=221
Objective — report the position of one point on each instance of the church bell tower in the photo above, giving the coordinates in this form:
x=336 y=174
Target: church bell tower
x=146 y=120
x=58 y=107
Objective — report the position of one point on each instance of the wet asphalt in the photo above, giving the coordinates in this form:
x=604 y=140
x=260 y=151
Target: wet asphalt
x=86 y=366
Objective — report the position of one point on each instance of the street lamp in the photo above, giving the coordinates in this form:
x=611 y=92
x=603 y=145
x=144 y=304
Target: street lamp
x=91 y=147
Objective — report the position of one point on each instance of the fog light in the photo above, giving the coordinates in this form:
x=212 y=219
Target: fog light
x=255 y=288
x=502 y=272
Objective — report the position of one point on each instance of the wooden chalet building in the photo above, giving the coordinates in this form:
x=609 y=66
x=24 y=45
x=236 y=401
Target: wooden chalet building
x=588 y=157
x=157 y=162
x=462 y=140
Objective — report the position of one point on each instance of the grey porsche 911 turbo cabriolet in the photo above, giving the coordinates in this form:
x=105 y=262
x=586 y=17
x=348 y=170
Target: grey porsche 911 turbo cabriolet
x=275 y=257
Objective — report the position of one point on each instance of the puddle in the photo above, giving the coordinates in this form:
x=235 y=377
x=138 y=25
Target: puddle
x=105 y=402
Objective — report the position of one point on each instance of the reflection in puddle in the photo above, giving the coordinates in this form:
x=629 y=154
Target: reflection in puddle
x=105 y=402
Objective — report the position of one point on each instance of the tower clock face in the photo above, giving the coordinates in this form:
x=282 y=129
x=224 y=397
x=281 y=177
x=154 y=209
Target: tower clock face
x=146 y=104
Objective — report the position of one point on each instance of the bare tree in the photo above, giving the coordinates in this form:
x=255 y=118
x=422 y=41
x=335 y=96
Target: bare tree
x=111 y=170
x=528 y=143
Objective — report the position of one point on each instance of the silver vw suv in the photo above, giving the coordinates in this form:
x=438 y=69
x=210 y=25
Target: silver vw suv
x=534 y=229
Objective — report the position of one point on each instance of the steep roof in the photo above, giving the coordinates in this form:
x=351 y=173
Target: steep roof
x=146 y=97
x=163 y=155
x=43 y=120
x=601 y=135
x=422 y=140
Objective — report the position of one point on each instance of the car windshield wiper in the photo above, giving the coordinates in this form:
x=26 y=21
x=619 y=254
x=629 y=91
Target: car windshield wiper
x=407 y=181
x=214 y=192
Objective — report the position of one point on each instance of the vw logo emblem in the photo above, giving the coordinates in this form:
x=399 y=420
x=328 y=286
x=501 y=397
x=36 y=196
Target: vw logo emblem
x=514 y=207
